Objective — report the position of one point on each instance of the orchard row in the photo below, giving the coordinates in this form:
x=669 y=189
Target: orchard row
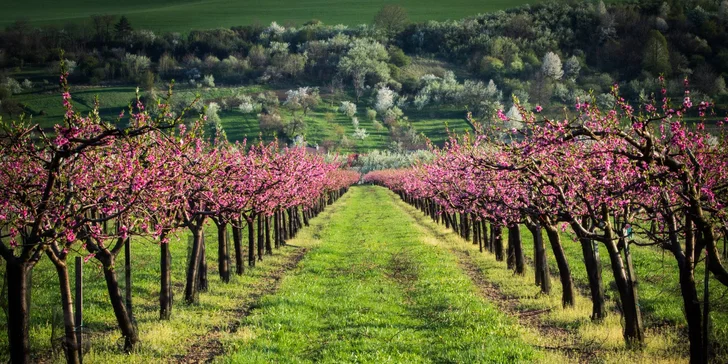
x=616 y=177
x=90 y=186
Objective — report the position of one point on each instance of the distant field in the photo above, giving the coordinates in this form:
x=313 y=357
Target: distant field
x=184 y=15
x=45 y=107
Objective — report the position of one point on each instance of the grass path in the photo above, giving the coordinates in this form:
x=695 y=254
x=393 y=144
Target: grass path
x=371 y=290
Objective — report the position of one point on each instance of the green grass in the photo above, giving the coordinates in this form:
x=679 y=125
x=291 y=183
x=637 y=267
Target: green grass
x=373 y=291
x=45 y=105
x=184 y=15
x=217 y=308
x=435 y=122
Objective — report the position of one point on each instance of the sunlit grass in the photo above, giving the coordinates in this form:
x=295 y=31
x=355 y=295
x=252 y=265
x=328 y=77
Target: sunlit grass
x=373 y=292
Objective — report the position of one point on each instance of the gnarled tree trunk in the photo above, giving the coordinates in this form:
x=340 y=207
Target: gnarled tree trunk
x=542 y=277
x=123 y=318
x=498 y=242
x=69 y=322
x=193 y=266
x=16 y=274
x=633 y=330
x=567 y=284
x=594 y=274
x=202 y=274
x=223 y=253
x=514 y=240
x=238 y=247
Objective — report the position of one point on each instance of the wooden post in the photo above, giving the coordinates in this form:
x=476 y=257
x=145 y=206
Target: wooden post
x=79 y=307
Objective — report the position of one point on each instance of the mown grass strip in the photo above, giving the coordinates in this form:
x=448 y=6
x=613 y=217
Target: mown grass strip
x=371 y=291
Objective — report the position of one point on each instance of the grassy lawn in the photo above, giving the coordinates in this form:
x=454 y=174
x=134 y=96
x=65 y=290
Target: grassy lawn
x=183 y=15
x=372 y=291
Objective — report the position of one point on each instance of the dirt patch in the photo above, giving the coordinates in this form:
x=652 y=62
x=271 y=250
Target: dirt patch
x=403 y=270
x=209 y=346
x=509 y=304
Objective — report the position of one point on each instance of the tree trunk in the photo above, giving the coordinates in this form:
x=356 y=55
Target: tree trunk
x=284 y=228
x=165 y=291
x=193 y=267
x=18 y=311
x=514 y=238
x=127 y=277
x=483 y=235
x=498 y=242
x=476 y=235
x=202 y=274
x=632 y=287
x=223 y=253
x=277 y=228
x=126 y=325
x=251 y=242
x=692 y=313
x=69 y=323
x=466 y=224
x=686 y=266
x=543 y=278
x=268 y=246
x=567 y=284
x=632 y=318
x=238 y=246
x=510 y=252
x=594 y=275
x=261 y=238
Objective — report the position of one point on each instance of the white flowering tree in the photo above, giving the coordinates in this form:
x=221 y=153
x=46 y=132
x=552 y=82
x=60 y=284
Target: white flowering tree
x=364 y=58
x=348 y=108
x=385 y=99
x=208 y=81
x=303 y=98
x=246 y=104
x=360 y=133
x=214 y=122
x=551 y=66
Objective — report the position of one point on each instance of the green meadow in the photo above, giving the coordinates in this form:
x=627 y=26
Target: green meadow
x=184 y=15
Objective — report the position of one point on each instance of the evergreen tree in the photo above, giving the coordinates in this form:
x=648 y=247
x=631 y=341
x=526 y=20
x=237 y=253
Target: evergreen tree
x=656 y=54
x=123 y=28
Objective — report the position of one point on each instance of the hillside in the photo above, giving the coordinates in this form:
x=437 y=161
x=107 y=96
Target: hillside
x=182 y=16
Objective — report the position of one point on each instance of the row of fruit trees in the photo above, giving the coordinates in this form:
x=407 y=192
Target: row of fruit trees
x=615 y=177
x=91 y=185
